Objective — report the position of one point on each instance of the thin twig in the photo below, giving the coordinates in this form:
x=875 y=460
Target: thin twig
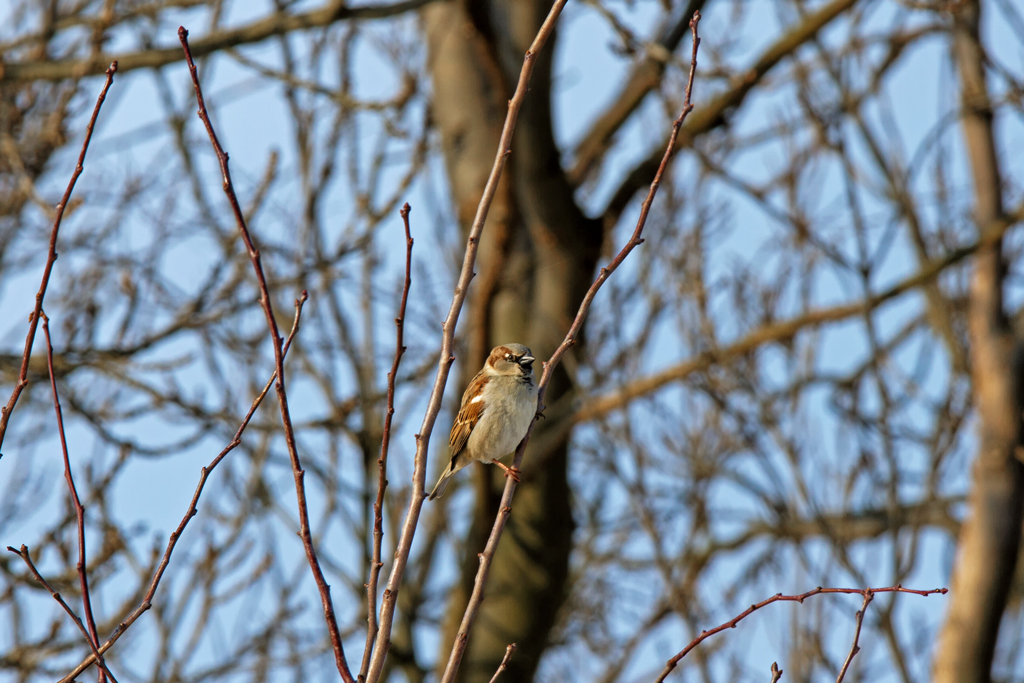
x=404 y=546
x=504 y=661
x=487 y=556
x=193 y=509
x=776 y=673
x=83 y=577
x=282 y=395
x=382 y=462
x=855 y=648
x=24 y=555
x=779 y=597
x=33 y=319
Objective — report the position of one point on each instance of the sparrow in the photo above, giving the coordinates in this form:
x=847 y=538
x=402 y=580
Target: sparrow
x=496 y=411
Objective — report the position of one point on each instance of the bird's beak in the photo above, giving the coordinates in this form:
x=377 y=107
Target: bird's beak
x=526 y=361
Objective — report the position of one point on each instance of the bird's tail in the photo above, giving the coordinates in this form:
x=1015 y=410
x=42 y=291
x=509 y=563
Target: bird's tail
x=442 y=483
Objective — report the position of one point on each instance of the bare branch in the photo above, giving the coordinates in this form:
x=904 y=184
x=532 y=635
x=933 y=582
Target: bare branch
x=504 y=662
x=83 y=577
x=989 y=540
x=193 y=509
x=282 y=395
x=786 y=329
x=855 y=648
x=643 y=77
x=276 y=24
x=33 y=321
x=24 y=555
x=779 y=597
x=504 y=509
x=382 y=462
x=712 y=115
x=390 y=596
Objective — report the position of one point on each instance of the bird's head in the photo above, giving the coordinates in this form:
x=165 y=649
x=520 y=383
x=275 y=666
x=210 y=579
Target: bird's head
x=510 y=359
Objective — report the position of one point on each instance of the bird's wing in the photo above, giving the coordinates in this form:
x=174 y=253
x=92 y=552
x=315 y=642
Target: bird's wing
x=470 y=412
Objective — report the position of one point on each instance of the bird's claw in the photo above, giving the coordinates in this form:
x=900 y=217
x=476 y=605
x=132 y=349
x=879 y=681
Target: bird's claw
x=513 y=471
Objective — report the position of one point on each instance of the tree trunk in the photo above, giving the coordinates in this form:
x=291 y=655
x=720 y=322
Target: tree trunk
x=990 y=537
x=536 y=259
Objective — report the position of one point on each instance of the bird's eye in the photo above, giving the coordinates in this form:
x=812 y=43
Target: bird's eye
x=508 y=356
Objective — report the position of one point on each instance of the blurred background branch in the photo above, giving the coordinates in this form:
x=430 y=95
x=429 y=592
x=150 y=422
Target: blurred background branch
x=784 y=387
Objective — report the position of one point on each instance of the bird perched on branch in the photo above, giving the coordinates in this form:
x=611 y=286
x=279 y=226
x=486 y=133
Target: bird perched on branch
x=496 y=411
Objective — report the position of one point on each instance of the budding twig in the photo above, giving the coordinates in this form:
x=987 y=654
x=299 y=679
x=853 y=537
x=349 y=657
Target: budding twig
x=282 y=395
x=24 y=554
x=51 y=257
x=779 y=597
x=486 y=557
x=504 y=661
x=382 y=462
x=855 y=648
x=404 y=545
x=193 y=509
x=83 y=576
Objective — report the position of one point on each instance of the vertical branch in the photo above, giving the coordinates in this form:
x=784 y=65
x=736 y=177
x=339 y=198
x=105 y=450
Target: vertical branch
x=382 y=462
x=83 y=577
x=504 y=509
x=389 y=598
x=855 y=648
x=193 y=509
x=51 y=257
x=989 y=541
x=282 y=395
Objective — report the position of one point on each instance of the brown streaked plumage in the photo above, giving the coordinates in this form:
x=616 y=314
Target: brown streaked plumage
x=469 y=414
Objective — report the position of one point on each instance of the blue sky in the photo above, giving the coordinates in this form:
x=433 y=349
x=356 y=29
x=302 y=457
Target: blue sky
x=252 y=121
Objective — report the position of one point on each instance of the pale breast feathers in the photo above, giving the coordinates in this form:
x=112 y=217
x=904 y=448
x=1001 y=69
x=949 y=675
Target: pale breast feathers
x=470 y=412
